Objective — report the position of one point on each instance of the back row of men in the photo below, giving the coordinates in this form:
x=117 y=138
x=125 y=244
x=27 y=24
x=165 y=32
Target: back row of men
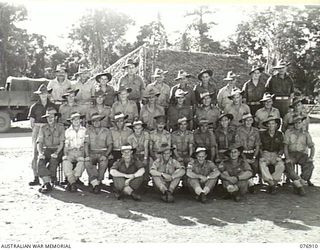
x=204 y=123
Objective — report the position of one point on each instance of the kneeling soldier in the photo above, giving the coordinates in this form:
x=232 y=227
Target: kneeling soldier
x=127 y=174
x=202 y=175
x=166 y=173
x=100 y=146
x=296 y=145
x=235 y=173
x=50 y=144
x=75 y=151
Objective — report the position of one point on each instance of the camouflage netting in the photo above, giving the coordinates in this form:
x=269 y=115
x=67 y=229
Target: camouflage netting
x=173 y=61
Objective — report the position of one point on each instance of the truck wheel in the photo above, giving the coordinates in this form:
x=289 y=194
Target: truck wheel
x=5 y=121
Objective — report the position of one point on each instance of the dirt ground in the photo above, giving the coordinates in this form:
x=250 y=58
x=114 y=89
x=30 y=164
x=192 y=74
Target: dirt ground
x=26 y=215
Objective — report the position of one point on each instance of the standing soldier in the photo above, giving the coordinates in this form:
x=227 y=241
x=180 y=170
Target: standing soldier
x=161 y=87
x=103 y=79
x=37 y=110
x=159 y=136
x=281 y=85
x=207 y=84
x=124 y=105
x=182 y=142
x=71 y=106
x=271 y=152
x=182 y=79
x=75 y=152
x=207 y=111
x=297 y=143
x=100 y=146
x=59 y=85
x=133 y=81
x=166 y=173
x=267 y=110
x=237 y=108
x=127 y=174
x=151 y=109
x=50 y=144
x=202 y=175
x=249 y=138
x=223 y=99
x=254 y=89
x=235 y=173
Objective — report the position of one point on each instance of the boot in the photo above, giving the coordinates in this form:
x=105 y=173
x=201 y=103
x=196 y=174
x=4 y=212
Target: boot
x=203 y=198
x=271 y=189
x=35 y=182
x=135 y=196
x=310 y=184
x=73 y=187
x=170 y=197
x=236 y=196
x=96 y=189
x=301 y=191
x=46 y=188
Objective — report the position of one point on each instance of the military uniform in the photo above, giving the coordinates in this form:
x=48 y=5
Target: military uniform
x=164 y=97
x=58 y=89
x=237 y=111
x=263 y=113
x=157 y=139
x=66 y=110
x=288 y=120
x=109 y=94
x=205 y=139
x=212 y=89
x=119 y=138
x=224 y=139
x=175 y=112
x=147 y=115
x=130 y=109
x=190 y=96
x=253 y=94
x=105 y=111
x=182 y=141
x=223 y=99
x=211 y=114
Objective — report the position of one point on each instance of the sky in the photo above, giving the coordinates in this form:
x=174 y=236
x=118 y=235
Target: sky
x=55 y=19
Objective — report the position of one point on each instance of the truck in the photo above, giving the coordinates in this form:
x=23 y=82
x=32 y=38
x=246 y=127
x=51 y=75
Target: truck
x=16 y=97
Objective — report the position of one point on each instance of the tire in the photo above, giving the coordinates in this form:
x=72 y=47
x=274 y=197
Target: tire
x=5 y=121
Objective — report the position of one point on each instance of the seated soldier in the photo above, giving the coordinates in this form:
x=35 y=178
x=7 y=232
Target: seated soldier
x=271 y=151
x=297 y=142
x=159 y=136
x=202 y=175
x=182 y=141
x=127 y=174
x=235 y=173
x=100 y=147
x=203 y=137
x=166 y=173
x=75 y=152
x=50 y=144
x=249 y=138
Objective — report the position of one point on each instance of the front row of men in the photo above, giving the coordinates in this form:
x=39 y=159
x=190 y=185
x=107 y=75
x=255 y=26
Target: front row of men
x=95 y=148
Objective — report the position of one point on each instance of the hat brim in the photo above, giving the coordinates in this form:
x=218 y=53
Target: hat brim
x=128 y=64
x=129 y=90
x=132 y=126
x=261 y=69
x=194 y=154
x=49 y=91
x=281 y=66
x=55 y=114
x=242 y=120
x=230 y=116
x=231 y=96
x=97 y=77
x=71 y=118
x=210 y=94
x=100 y=118
x=240 y=148
x=124 y=118
x=188 y=120
x=163 y=73
x=208 y=71
x=180 y=77
x=67 y=94
x=277 y=120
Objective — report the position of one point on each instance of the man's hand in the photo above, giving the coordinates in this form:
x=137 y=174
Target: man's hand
x=233 y=179
x=288 y=161
x=41 y=156
x=54 y=155
x=166 y=177
x=129 y=176
x=127 y=182
x=251 y=161
x=203 y=179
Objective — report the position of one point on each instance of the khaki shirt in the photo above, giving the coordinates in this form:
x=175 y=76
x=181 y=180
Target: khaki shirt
x=175 y=112
x=156 y=139
x=99 y=139
x=58 y=89
x=130 y=109
x=212 y=115
x=168 y=168
x=248 y=139
x=224 y=140
x=164 y=89
x=297 y=140
x=262 y=115
x=207 y=139
x=237 y=111
x=205 y=169
x=51 y=136
x=66 y=110
x=120 y=137
x=133 y=167
x=86 y=91
x=135 y=83
x=139 y=142
x=288 y=119
x=106 y=111
x=76 y=139
x=234 y=170
x=182 y=140
x=222 y=97
x=147 y=115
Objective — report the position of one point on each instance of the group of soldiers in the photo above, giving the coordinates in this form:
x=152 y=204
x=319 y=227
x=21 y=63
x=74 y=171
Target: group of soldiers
x=189 y=135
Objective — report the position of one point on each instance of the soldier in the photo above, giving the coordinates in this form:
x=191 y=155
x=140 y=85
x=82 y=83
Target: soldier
x=179 y=109
x=298 y=109
x=271 y=152
x=37 y=110
x=124 y=105
x=70 y=107
x=237 y=108
x=207 y=84
x=267 y=110
x=159 y=136
x=166 y=173
x=151 y=108
x=133 y=81
x=203 y=137
x=224 y=93
x=182 y=141
x=59 y=85
x=120 y=134
x=50 y=144
x=182 y=79
x=161 y=87
x=202 y=175
x=249 y=138
x=207 y=111
x=100 y=108
x=281 y=85
x=254 y=88
x=297 y=142
x=127 y=174
x=103 y=79
x=235 y=173
x=75 y=152
x=100 y=146
x=225 y=135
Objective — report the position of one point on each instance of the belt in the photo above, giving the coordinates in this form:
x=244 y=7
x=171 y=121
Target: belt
x=282 y=97
x=50 y=147
x=248 y=151
x=253 y=103
x=102 y=149
x=58 y=102
x=39 y=124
